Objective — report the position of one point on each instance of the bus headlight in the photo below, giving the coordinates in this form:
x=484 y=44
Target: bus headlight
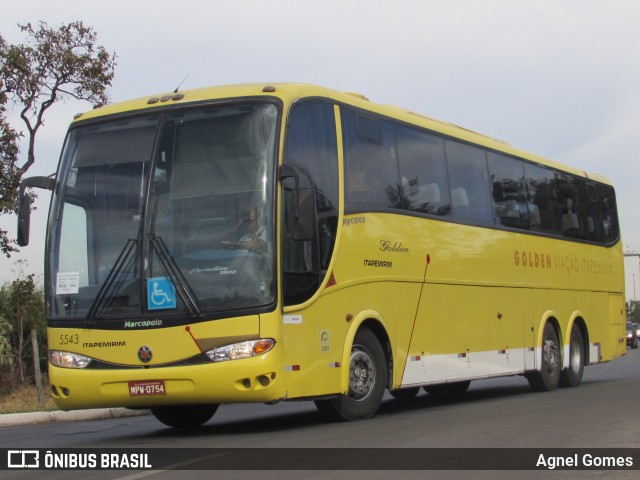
x=68 y=359
x=237 y=351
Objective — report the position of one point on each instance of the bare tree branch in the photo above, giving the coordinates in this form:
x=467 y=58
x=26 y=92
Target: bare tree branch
x=53 y=64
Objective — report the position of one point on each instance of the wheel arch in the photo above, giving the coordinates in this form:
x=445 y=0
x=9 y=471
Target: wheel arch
x=372 y=320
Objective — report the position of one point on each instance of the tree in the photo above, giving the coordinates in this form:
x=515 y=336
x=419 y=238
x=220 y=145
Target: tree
x=6 y=357
x=633 y=310
x=8 y=159
x=54 y=64
x=22 y=308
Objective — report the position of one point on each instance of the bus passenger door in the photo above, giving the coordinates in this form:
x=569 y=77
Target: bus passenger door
x=310 y=186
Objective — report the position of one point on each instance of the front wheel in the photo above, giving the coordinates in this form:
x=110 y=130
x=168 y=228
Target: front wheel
x=367 y=381
x=572 y=376
x=549 y=375
x=184 y=416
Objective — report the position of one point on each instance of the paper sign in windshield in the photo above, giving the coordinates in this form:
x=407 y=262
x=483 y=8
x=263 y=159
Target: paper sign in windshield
x=67 y=283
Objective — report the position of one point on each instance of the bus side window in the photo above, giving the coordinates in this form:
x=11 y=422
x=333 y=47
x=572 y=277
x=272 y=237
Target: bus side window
x=540 y=184
x=609 y=216
x=594 y=213
x=371 y=170
x=423 y=169
x=469 y=181
x=509 y=195
x=572 y=212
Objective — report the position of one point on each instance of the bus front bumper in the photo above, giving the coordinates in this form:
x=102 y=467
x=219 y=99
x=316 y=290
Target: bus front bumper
x=255 y=379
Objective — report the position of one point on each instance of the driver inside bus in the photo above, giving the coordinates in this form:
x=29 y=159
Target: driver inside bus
x=253 y=238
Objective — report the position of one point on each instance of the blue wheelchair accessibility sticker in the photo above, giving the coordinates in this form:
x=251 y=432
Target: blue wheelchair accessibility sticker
x=161 y=293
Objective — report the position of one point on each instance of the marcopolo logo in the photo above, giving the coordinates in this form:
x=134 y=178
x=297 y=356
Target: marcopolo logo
x=23 y=459
x=143 y=323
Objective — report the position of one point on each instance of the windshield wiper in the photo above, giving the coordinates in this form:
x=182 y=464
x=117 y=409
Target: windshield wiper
x=167 y=261
x=125 y=253
x=169 y=265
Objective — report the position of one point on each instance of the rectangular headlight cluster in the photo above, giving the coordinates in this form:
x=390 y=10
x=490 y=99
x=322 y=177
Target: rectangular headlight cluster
x=237 y=351
x=68 y=359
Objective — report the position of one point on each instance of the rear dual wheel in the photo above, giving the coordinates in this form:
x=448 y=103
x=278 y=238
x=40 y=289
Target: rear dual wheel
x=572 y=376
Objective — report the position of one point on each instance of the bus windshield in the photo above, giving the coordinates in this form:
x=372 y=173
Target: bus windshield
x=165 y=214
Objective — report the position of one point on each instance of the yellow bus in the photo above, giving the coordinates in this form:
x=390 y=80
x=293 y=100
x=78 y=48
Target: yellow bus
x=261 y=243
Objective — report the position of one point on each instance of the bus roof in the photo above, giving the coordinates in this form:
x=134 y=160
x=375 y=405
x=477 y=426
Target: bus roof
x=289 y=92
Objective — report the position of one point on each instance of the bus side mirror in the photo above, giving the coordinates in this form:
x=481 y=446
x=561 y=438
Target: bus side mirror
x=301 y=216
x=24 y=205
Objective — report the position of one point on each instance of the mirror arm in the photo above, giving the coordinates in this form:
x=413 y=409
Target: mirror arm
x=47 y=183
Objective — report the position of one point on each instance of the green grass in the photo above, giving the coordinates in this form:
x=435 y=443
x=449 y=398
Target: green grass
x=25 y=399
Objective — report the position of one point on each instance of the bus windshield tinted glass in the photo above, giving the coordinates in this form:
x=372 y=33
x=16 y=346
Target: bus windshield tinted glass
x=211 y=208
x=165 y=214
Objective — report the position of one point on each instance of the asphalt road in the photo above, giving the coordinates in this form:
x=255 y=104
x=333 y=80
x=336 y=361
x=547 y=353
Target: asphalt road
x=604 y=412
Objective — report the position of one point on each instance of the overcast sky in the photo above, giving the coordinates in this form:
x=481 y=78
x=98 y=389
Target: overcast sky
x=560 y=78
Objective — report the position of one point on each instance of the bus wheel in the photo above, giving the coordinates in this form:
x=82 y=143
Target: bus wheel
x=572 y=376
x=549 y=375
x=367 y=381
x=184 y=416
x=405 y=392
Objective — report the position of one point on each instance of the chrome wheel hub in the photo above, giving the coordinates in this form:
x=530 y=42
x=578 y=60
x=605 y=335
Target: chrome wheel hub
x=362 y=374
x=551 y=355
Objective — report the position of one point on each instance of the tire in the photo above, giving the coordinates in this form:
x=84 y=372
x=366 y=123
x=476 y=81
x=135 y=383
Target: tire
x=572 y=376
x=548 y=377
x=184 y=416
x=405 y=392
x=367 y=381
x=452 y=388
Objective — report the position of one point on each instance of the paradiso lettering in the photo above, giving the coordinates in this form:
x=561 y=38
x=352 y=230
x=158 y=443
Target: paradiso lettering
x=568 y=263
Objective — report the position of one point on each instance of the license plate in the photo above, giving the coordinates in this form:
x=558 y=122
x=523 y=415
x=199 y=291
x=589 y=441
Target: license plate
x=148 y=387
